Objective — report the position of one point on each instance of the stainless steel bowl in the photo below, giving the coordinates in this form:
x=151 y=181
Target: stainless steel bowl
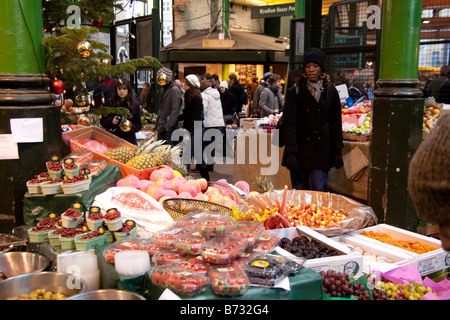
x=52 y=281
x=107 y=294
x=17 y=263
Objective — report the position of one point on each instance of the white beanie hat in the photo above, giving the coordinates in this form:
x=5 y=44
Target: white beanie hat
x=193 y=81
x=223 y=84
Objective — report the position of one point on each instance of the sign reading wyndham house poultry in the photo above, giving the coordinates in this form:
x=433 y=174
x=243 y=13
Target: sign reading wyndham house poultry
x=287 y=9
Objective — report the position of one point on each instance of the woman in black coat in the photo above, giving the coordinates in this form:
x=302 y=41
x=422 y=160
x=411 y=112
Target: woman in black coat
x=229 y=104
x=313 y=126
x=123 y=97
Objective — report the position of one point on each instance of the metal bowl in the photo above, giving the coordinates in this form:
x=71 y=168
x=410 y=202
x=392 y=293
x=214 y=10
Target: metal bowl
x=107 y=294
x=53 y=281
x=17 y=263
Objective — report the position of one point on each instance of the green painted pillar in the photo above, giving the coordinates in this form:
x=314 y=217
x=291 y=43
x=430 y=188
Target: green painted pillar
x=156 y=50
x=226 y=33
x=226 y=17
x=397 y=114
x=24 y=93
x=16 y=47
x=400 y=39
x=299 y=9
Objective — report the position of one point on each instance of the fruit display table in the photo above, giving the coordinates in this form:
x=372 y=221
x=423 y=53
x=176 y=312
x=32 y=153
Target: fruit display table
x=305 y=285
x=38 y=206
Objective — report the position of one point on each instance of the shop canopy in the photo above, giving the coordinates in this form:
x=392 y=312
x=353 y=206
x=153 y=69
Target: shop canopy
x=240 y=47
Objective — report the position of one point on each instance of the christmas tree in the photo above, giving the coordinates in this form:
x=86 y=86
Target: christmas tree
x=73 y=59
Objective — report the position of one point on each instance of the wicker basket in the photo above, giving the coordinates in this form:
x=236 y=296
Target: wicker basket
x=171 y=204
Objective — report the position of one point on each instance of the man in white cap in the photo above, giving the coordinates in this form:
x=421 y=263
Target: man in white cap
x=169 y=109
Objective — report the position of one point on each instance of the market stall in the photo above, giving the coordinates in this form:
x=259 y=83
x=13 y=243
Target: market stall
x=161 y=235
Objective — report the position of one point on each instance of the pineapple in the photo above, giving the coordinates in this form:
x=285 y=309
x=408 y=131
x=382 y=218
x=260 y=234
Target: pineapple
x=264 y=184
x=120 y=154
x=150 y=154
x=140 y=162
x=161 y=155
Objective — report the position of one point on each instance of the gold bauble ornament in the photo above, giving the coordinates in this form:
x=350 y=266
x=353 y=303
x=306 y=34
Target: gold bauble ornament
x=162 y=79
x=82 y=100
x=84 y=48
x=125 y=125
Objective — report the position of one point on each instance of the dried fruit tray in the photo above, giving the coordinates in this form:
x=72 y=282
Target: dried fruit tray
x=71 y=222
x=119 y=235
x=114 y=224
x=94 y=224
x=49 y=188
x=76 y=187
x=38 y=236
x=34 y=188
x=87 y=244
x=70 y=173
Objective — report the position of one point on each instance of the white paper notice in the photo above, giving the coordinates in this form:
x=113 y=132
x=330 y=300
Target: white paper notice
x=343 y=91
x=27 y=130
x=8 y=147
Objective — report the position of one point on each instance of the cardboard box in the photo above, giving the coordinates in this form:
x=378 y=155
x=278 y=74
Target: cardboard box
x=427 y=263
x=101 y=135
x=249 y=123
x=347 y=261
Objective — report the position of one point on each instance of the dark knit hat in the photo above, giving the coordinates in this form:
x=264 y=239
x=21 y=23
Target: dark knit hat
x=429 y=175
x=314 y=55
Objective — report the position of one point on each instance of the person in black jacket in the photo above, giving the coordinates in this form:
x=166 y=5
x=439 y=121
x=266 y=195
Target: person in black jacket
x=238 y=91
x=229 y=104
x=313 y=126
x=123 y=97
x=192 y=118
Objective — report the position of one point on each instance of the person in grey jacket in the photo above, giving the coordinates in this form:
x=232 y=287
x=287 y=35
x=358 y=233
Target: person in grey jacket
x=256 y=112
x=271 y=100
x=169 y=109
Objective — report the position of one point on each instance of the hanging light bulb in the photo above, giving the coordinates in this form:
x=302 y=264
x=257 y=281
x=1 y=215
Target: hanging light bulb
x=132 y=35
